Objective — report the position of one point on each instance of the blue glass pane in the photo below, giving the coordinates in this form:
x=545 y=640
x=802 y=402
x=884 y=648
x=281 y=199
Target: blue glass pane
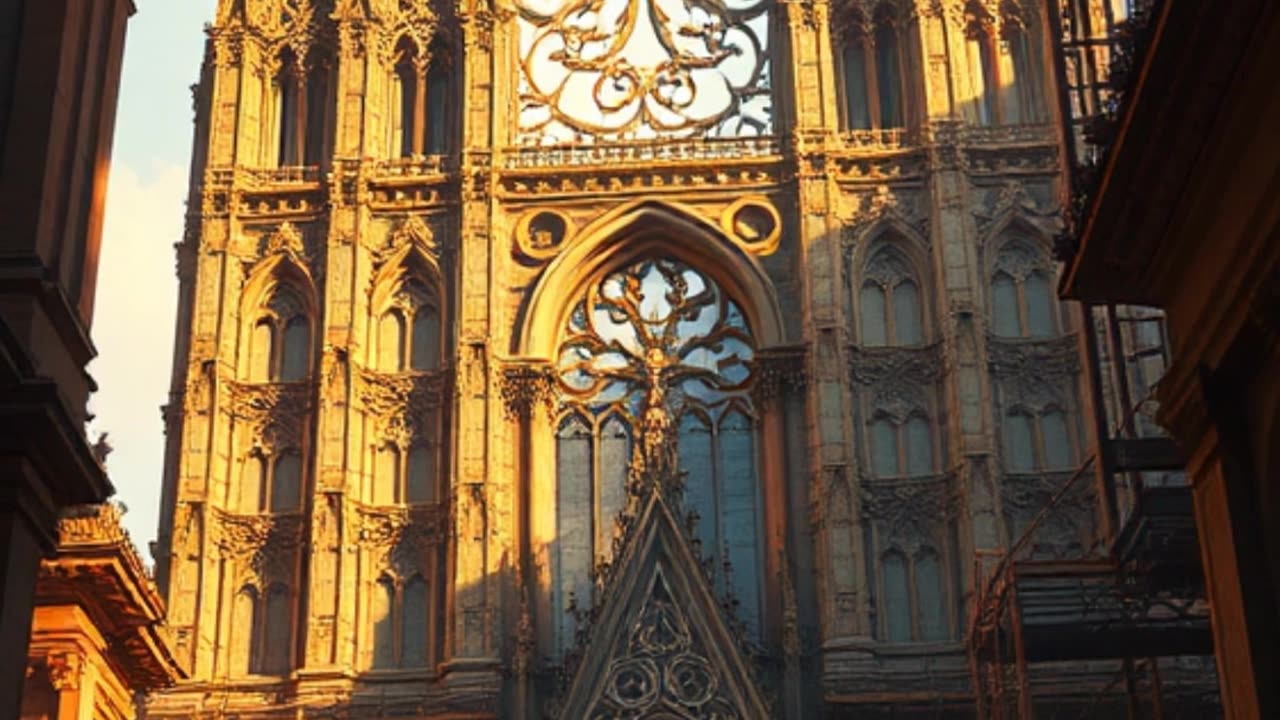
x=1039 y=305
x=297 y=350
x=919 y=447
x=1019 y=453
x=426 y=339
x=874 y=324
x=933 y=608
x=286 y=483
x=739 y=520
x=884 y=448
x=897 y=599
x=855 y=86
x=699 y=483
x=888 y=79
x=615 y=456
x=906 y=314
x=1057 y=444
x=1004 y=307
x=421 y=483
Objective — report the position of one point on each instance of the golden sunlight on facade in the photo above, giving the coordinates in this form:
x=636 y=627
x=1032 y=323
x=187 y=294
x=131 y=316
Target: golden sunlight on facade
x=98 y=639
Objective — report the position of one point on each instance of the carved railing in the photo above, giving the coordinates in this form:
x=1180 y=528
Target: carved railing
x=415 y=167
x=1028 y=134
x=882 y=139
x=664 y=151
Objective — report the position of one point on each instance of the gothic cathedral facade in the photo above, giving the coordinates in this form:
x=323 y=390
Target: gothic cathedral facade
x=459 y=280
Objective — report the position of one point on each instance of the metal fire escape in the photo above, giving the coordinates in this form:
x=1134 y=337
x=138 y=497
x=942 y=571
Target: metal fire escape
x=1133 y=605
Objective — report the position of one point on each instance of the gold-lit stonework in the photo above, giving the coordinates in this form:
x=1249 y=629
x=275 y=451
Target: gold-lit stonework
x=452 y=272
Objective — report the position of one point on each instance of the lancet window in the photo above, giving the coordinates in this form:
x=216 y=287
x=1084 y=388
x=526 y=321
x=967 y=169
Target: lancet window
x=890 y=309
x=302 y=105
x=643 y=70
x=913 y=597
x=408 y=337
x=398 y=624
x=873 y=59
x=280 y=339
x=270 y=484
x=423 y=85
x=1022 y=297
x=902 y=449
x=1037 y=441
x=1002 y=68
x=261 y=631
x=656 y=347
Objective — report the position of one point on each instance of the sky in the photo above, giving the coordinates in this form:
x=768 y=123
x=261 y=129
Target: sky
x=133 y=322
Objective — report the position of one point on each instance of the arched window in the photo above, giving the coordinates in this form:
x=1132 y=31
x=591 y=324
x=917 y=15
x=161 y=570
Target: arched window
x=857 y=105
x=914 y=597
x=253 y=484
x=286 y=482
x=983 y=71
x=930 y=598
x=413 y=624
x=420 y=486
x=277 y=637
x=288 y=90
x=244 y=629
x=391 y=341
x=901 y=448
x=425 y=353
x=1019 y=447
x=871 y=56
x=888 y=69
x=1019 y=99
x=382 y=632
x=422 y=119
x=386 y=475
x=406 y=89
x=653 y=310
x=279 y=341
x=320 y=108
x=1022 y=297
x=889 y=302
x=897 y=597
x=439 y=114
x=1057 y=442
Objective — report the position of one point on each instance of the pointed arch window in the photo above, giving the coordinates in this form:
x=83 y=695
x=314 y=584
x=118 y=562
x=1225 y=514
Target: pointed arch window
x=913 y=597
x=902 y=449
x=320 y=108
x=408 y=330
x=872 y=61
x=982 y=56
x=656 y=323
x=399 y=624
x=1022 y=297
x=303 y=107
x=1035 y=442
x=405 y=477
x=279 y=339
x=889 y=305
x=270 y=484
x=422 y=119
x=261 y=640
x=289 y=107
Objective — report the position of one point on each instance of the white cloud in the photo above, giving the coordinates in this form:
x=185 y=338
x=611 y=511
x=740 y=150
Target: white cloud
x=133 y=328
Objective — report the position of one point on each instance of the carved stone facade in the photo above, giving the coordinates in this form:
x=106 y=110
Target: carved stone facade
x=361 y=512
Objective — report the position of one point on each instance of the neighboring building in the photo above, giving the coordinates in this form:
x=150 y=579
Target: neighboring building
x=448 y=271
x=98 y=640
x=59 y=73
x=1183 y=216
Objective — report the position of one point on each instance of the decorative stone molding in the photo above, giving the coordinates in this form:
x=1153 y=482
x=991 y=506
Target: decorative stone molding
x=276 y=413
x=779 y=373
x=897 y=367
x=1038 y=373
x=400 y=403
x=264 y=547
x=525 y=386
x=1069 y=530
x=66 y=670
x=914 y=511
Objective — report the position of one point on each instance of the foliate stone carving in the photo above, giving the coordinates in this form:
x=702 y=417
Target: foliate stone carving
x=524 y=387
x=263 y=547
x=1037 y=373
x=896 y=366
x=779 y=374
x=1016 y=198
x=1066 y=530
x=400 y=404
x=276 y=413
x=402 y=538
x=911 y=512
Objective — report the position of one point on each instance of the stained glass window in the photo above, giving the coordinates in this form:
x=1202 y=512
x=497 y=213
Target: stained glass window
x=657 y=332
